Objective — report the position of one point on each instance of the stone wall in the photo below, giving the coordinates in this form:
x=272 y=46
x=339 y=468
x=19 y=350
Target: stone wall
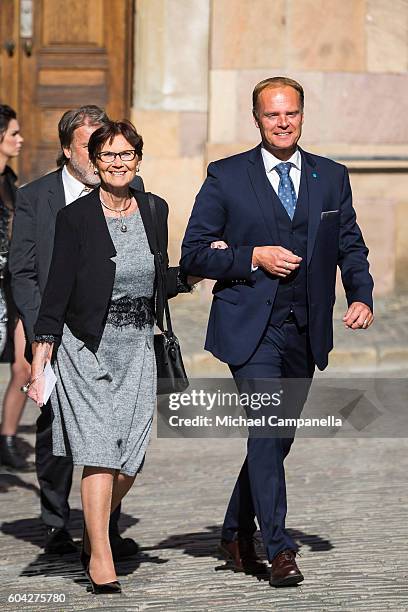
x=170 y=101
x=196 y=62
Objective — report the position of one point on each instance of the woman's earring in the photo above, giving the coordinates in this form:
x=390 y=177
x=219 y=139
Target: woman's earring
x=137 y=167
x=96 y=171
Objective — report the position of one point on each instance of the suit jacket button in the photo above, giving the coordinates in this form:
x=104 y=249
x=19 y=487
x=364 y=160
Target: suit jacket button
x=268 y=302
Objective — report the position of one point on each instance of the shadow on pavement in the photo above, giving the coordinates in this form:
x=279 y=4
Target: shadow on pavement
x=32 y=531
x=205 y=544
x=9 y=480
x=25 y=449
x=312 y=540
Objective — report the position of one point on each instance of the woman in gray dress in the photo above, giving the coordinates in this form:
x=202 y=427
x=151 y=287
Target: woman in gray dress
x=98 y=310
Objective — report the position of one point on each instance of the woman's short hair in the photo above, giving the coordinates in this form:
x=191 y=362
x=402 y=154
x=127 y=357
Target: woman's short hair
x=107 y=133
x=6 y=115
x=278 y=81
x=73 y=119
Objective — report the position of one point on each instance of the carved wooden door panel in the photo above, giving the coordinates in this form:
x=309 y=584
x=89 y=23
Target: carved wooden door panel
x=69 y=53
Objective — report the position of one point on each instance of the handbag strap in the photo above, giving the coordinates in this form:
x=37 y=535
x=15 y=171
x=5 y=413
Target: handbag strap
x=159 y=259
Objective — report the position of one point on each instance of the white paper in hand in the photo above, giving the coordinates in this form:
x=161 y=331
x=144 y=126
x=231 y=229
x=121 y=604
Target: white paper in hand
x=49 y=382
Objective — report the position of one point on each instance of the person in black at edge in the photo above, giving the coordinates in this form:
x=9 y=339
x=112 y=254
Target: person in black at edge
x=12 y=341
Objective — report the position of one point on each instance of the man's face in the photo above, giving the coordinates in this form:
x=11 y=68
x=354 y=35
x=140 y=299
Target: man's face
x=79 y=165
x=279 y=119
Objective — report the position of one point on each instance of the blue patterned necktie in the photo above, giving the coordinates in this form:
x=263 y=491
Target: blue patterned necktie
x=286 y=190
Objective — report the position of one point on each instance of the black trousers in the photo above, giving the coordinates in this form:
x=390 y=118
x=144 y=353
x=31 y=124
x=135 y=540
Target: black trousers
x=260 y=490
x=55 y=478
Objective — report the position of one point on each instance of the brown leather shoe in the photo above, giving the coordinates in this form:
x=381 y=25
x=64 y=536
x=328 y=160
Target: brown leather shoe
x=242 y=556
x=284 y=571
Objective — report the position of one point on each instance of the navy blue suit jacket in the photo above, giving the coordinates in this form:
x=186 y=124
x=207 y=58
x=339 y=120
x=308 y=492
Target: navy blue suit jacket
x=234 y=204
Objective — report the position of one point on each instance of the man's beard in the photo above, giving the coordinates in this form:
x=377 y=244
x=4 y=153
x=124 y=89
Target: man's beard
x=85 y=175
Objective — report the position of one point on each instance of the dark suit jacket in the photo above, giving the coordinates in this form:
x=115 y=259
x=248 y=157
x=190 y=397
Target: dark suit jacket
x=234 y=204
x=37 y=205
x=82 y=273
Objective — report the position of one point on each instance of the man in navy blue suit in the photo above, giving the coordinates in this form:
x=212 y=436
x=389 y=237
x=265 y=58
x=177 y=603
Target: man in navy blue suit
x=288 y=220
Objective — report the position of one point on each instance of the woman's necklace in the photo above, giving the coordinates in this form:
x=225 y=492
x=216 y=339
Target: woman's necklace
x=123 y=226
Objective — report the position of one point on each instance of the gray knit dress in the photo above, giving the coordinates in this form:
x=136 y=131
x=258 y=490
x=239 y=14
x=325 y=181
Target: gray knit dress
x=103 y=403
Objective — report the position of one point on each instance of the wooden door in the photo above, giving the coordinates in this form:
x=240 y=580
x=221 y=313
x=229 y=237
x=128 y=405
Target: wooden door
x=67 y=53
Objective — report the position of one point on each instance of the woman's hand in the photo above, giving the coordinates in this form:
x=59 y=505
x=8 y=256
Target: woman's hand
x=42 y=352
x=218 y=244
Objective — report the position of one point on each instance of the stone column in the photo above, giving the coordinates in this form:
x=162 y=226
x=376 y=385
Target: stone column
x=170 y=101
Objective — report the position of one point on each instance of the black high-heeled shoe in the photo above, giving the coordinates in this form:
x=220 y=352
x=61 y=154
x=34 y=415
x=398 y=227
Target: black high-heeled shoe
x=104 y=589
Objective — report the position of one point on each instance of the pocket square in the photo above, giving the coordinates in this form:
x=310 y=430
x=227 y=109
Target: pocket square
x=327 y=213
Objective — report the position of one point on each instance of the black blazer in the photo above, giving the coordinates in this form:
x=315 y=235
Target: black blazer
x=37 y=205
x=11 y=179
x=8 y=355
x=82 y=273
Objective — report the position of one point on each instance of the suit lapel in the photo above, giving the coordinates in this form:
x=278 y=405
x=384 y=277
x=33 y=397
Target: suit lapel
x=259 y=182
x=98 y=220
x=97 y=223
x=310 y=189
x=311 y=177
x=56 y=193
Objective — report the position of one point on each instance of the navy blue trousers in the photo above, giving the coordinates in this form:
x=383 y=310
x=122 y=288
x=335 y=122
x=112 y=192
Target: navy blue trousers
x=260 y=490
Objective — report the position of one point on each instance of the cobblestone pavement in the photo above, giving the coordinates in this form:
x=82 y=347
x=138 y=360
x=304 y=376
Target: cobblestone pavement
x=348 y=509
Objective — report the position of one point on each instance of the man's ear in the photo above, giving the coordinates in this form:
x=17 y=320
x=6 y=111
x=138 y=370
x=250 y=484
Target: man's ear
x=255 y=120
x=67 y=152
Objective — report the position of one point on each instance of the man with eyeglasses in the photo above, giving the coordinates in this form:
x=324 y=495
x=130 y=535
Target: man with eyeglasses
x=30 y=256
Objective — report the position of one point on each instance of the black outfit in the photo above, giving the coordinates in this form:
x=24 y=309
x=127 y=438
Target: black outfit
x=37 y=205
x=79 y=288
x=8 y=192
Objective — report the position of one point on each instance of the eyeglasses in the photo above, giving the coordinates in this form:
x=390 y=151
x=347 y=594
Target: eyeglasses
x=110 y=156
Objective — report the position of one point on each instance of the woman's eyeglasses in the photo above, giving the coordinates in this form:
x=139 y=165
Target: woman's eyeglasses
x=110 y=156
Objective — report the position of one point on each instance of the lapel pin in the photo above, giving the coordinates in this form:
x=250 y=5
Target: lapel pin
x=314 y=174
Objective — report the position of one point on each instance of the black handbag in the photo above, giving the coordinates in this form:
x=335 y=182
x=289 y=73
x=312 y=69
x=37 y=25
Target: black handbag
x=171 y=374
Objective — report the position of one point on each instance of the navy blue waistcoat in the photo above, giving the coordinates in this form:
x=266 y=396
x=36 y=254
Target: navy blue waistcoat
x=291 y=295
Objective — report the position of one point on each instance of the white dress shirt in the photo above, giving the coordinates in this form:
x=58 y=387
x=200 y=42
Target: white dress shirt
x=270 y=163
x=73 y=188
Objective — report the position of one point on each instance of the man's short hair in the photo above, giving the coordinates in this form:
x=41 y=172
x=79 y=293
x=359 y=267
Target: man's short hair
x=6 y=115
x=73 y=119
x=278 y=81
